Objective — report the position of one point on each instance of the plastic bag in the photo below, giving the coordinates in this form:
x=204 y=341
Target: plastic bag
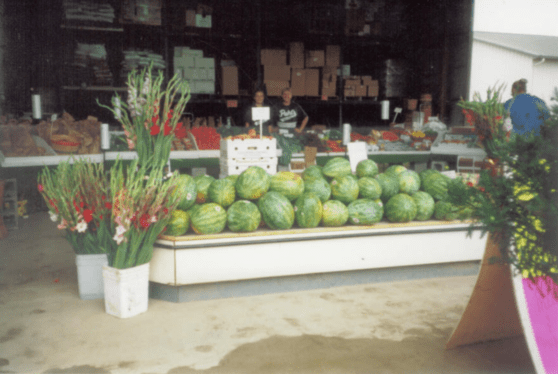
x=435 y=124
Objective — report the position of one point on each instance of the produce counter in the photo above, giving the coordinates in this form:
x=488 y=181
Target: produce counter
x=181 y=263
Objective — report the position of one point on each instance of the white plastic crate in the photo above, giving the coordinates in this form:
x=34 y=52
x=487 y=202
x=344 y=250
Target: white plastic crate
x=234 y=168
x=248 y=150
x=126 y=290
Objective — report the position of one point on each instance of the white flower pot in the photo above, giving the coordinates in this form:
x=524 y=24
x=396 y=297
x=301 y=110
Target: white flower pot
x=126 y=290
x=90 y=275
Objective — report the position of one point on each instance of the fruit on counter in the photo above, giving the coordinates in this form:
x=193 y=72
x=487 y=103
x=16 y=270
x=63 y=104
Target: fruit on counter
x=335 y=146
x=395 y=169
x=208 y=218
x=446 y=211
x=425 y=205
x=206 y=137
x=222 y=192
x=334 y=214
x=202 y=183
x=365 y=211
x=389 y=184
x=344 y=189
x=290 y=184
x=367 y=168
x=308 y=210
x=252 y=183
x=401 y=208
x=320 y=187
x=312 y=172
x=436 y=184
x=369 y=188
x=390 y=136
x=417 y=134
x=423 y=174
x=178 y=224
x=409 y=182
x=355 y=137
x=277 y=211
x=337 y=167
x=187 y=189
x=243 y=216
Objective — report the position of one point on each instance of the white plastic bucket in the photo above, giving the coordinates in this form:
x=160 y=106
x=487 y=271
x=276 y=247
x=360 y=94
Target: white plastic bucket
x=126 y=290
x=90 y=275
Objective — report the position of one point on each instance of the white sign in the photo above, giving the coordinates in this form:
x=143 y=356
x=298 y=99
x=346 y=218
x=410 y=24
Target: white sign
x=260 y=114
x=357 y=153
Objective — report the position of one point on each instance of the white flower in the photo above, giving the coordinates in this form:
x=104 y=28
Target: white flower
x=153 y=219
x=81 y=226
x=119 y=236
x=508 y=124
x=53 y=216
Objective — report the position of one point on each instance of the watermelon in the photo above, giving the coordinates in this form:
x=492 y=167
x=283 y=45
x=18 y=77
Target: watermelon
x=308 y=210
x=334 y=214
x=222 y=192
x=320 y=187
x=445 y=211
x=369 y=188
x=337 y=167
x=277 y=211
x=312 y=172
x=425 y=205
x=401 y=208
x=436 y=185
x=203 y=182
x=243 y=216
x=395 y=169
x=178 y=224
x=187 y=190
x=409 y=182
x=344 y=189
x=425 y=173
x=233 y=178
x=367 y=168
x=208 y=218
x=287 y=183
x=365 y=212
x=252 y=183
x=389 y=184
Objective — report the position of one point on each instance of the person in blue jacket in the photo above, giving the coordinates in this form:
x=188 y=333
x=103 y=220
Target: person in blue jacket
x=527 y=112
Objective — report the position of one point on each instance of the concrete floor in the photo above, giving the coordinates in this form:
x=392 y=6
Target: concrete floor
x=397 y=327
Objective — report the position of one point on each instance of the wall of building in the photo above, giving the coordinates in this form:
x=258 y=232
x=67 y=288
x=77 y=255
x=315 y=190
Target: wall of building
x=544 y=79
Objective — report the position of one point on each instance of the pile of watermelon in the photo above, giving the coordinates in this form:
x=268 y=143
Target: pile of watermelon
x=329 y=196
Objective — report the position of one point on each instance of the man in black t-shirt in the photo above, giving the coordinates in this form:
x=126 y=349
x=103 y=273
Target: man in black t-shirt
x=287 y=115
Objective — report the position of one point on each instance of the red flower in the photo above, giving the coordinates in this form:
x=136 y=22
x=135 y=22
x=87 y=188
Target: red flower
x=180 y=131
x=145 y=221
x=155 y=120
x=87 y=215
x=169 y=114
x=108 y=205
x=481 y=189
x=41 y=188
x=167 y=129
x=165 y=210
x=155 y=130
x=470 y=184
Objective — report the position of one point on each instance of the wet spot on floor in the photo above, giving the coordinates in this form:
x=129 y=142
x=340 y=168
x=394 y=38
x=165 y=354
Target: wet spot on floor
x=4 y=362
x=327 y=296
x=84 y=369
x=292 y=322
x=38 y=311
x=11 y=334
x=401 y=304
x=29 y=353
x=244 y=332
x=373 y=290
x=204 y=348
x=125 y=364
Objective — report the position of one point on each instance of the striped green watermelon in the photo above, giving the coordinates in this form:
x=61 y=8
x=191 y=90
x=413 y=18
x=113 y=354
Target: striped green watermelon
x=436 y=185
x=287 y=183
x=367 y=168
x=423 y=174
x=401 y=208
x=445 y=211
x=203 y=182
x=233 y=178
x=334 y=214
x=344 y=189
x=187 y=190
x=243 y=216
x=208 y=218
x=395 y=169
x=425 y=205
x=252 y=183
x=369 y=188
x=222 y=192
x=389 y=184
x=178 y=224
x=365 y=212
x=312 y=172
x=409 y=182
x=337 y=167
x=277 y=211
x=308 y=210
x=320 y=187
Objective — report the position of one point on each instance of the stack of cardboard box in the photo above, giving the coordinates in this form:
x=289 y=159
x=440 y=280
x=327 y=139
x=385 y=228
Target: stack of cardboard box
x=199 y=71
x=360 y=86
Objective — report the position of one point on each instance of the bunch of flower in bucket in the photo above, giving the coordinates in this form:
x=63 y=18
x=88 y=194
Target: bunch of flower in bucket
x=151 y=115
x=77 y=196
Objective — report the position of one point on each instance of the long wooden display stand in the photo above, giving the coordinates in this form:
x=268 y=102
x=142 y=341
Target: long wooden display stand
x=230 y=257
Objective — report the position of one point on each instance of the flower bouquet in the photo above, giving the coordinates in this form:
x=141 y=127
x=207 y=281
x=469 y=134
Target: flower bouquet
x=151 y=115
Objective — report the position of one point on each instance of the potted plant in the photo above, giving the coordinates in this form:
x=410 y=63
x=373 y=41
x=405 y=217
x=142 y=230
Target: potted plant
x=77 y=196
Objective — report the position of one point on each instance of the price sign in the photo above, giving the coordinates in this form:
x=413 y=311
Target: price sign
x=232 y=103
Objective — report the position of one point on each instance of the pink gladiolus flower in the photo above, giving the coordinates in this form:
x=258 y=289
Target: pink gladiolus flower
x=41 y=188
x=131 y=144
x=63 y=224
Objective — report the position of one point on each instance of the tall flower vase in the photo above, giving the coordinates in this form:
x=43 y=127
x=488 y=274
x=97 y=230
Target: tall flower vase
x=90 y=275
x=126 y=290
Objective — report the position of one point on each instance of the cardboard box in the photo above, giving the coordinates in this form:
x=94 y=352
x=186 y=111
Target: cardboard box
x=315 y=59
x=312 y=82
x=298 y=82
x=333 y=55
x=352 y=82
x=329 y=88
x=229 y=80
x=277 y=73
x=274 y=88
x=361 y=90
x=190 y=18
x=273 y=57
x=373 y=91
x=349 y=91
x=296 y=55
